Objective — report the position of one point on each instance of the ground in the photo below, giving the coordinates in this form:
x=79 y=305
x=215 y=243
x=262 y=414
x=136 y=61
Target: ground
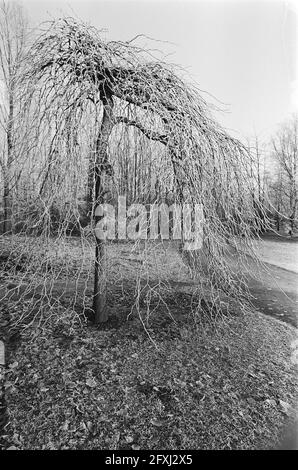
x=226 y=382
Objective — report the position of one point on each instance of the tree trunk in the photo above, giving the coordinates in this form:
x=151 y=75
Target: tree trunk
x=292 y=205
x=101 y=172
x=7 y=223
x=7 y=212
x=277 y=222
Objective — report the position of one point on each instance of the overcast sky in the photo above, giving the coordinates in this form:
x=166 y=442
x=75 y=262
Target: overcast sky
x=242 y=52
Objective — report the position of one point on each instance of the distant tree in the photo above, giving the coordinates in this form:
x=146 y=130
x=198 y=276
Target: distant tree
x=276 y=199
x=285 y=152
x=13 y=31
x=258 y=176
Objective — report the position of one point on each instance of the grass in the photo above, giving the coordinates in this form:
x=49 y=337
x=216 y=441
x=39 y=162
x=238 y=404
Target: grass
x=187 y=383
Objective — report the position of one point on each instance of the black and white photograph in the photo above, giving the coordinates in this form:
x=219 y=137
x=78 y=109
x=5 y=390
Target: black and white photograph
x=148 y=228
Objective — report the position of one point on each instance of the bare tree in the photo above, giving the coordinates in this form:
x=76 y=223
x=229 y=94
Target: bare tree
x=257 y=171
x=277 y=199
x=285 y=151
x=118 y=96
x=13 y=30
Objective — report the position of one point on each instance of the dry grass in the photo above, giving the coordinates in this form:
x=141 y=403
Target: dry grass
x=218 y=387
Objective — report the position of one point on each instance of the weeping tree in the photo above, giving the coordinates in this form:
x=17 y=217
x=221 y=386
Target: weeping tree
x=94 y=103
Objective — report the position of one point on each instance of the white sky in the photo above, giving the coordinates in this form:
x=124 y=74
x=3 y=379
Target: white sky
x=243 y=52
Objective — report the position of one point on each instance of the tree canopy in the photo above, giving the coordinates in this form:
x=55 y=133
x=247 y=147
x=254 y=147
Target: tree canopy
x=85 y=96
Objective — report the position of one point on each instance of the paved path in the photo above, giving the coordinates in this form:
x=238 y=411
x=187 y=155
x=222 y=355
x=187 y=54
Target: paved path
x=276 y=294
x=283 y=254
x=274 y=290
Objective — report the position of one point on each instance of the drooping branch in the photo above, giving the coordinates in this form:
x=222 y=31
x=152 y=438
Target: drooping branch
x=152 y=135
x=127 y=84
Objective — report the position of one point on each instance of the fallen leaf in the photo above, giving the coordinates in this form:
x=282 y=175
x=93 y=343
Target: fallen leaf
x=90 y=382
x=270 y=401
x=157 y=423
x=286 y=407
x=65 y=426
x=13 y=365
